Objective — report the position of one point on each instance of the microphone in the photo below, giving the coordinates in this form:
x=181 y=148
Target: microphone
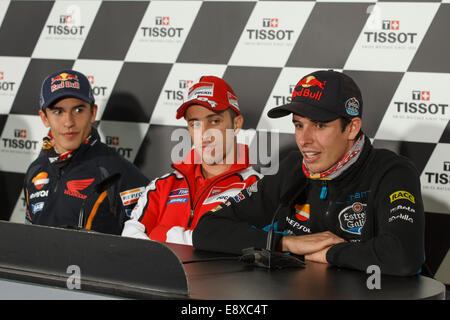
x=267 y=258
x=98 y=189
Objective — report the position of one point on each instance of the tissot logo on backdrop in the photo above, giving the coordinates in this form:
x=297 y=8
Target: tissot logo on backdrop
x=5 y=85
x=20 y=133
x=390 y=34
x=162 y=29
x=97 y=90
x=435 y=180
x=441 y=178
x=68 y=25
x=177 y=94
x=418 y=104
x=270 y=31
x=114 y=142
x=419 y=110
x=128 y=142
x=19 y=142
x=284 y=99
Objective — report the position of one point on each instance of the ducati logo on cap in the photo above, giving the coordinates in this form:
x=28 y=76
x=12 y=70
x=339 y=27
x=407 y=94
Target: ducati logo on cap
x=201 y=89
x=232 y=100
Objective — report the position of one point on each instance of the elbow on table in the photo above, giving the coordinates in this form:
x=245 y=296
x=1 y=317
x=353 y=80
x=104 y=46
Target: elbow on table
x=405 y=266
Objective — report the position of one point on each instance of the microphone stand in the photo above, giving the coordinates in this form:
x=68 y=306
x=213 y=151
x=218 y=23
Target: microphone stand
x=269 y=259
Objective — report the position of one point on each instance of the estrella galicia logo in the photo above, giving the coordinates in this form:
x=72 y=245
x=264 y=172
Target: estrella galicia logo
x=353 y=218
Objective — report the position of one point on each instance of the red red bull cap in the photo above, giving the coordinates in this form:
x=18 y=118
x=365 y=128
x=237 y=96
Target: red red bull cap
x=211 y=92
x=323 y=96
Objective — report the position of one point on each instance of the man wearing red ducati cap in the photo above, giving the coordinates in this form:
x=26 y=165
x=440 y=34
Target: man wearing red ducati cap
x=337 y=201
x=216 y=169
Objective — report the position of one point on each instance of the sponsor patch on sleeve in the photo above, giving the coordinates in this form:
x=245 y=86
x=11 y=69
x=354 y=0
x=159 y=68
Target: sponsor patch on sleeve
x=131 y=196
x=401 y=194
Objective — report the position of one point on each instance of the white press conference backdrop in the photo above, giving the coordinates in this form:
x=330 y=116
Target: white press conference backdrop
x=141 y=56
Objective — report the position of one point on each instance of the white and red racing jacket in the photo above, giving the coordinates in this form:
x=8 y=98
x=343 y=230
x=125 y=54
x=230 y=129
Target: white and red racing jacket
x=171 y=205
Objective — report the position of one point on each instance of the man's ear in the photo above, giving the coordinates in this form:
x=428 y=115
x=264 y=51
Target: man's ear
x=44 y=119
x=94 y=110
x=354 y=127
x=238 y=122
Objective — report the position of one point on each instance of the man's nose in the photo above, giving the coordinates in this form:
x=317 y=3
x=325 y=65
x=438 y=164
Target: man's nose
x=68 y=119
x=306 y=135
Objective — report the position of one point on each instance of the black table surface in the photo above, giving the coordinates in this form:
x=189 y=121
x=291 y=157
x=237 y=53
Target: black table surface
x=224 y=280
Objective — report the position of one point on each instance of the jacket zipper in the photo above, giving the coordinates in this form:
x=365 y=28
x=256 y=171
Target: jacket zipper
x=324 y=190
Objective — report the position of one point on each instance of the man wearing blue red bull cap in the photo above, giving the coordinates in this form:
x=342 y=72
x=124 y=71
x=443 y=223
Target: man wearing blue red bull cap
x=338 y=200
x=216 y=169
x=73 y=162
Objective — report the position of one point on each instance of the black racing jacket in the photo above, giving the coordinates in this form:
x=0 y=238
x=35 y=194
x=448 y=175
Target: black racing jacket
x=375 y=205
x=54 y=195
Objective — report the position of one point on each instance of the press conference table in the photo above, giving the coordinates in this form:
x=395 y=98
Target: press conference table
x=223 y=280
x=36 y=259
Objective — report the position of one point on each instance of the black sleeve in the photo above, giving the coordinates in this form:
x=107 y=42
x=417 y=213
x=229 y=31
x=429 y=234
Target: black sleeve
x=398 y=245
x=236 y=224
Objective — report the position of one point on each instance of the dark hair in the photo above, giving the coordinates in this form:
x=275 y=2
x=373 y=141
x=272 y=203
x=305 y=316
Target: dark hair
x=344 y=123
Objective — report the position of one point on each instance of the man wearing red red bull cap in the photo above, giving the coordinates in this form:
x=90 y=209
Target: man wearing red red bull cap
x=338 y=201
x=216 y=169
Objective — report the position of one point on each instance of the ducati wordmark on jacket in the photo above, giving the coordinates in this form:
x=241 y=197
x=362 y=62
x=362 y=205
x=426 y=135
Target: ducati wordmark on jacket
x=54 y=195
x=171 y=205
x=375 y=205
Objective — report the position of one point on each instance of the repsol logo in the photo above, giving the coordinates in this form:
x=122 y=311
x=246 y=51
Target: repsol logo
x=297 y=225
x=39 y=194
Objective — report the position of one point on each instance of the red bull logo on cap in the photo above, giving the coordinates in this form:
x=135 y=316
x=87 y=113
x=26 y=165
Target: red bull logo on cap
x=64 y=80
x=304 y=88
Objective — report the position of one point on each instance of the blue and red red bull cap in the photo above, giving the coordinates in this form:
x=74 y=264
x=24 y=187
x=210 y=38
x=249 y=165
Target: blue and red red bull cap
x=323 y=96
x=210 y=92
x=65 y=84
